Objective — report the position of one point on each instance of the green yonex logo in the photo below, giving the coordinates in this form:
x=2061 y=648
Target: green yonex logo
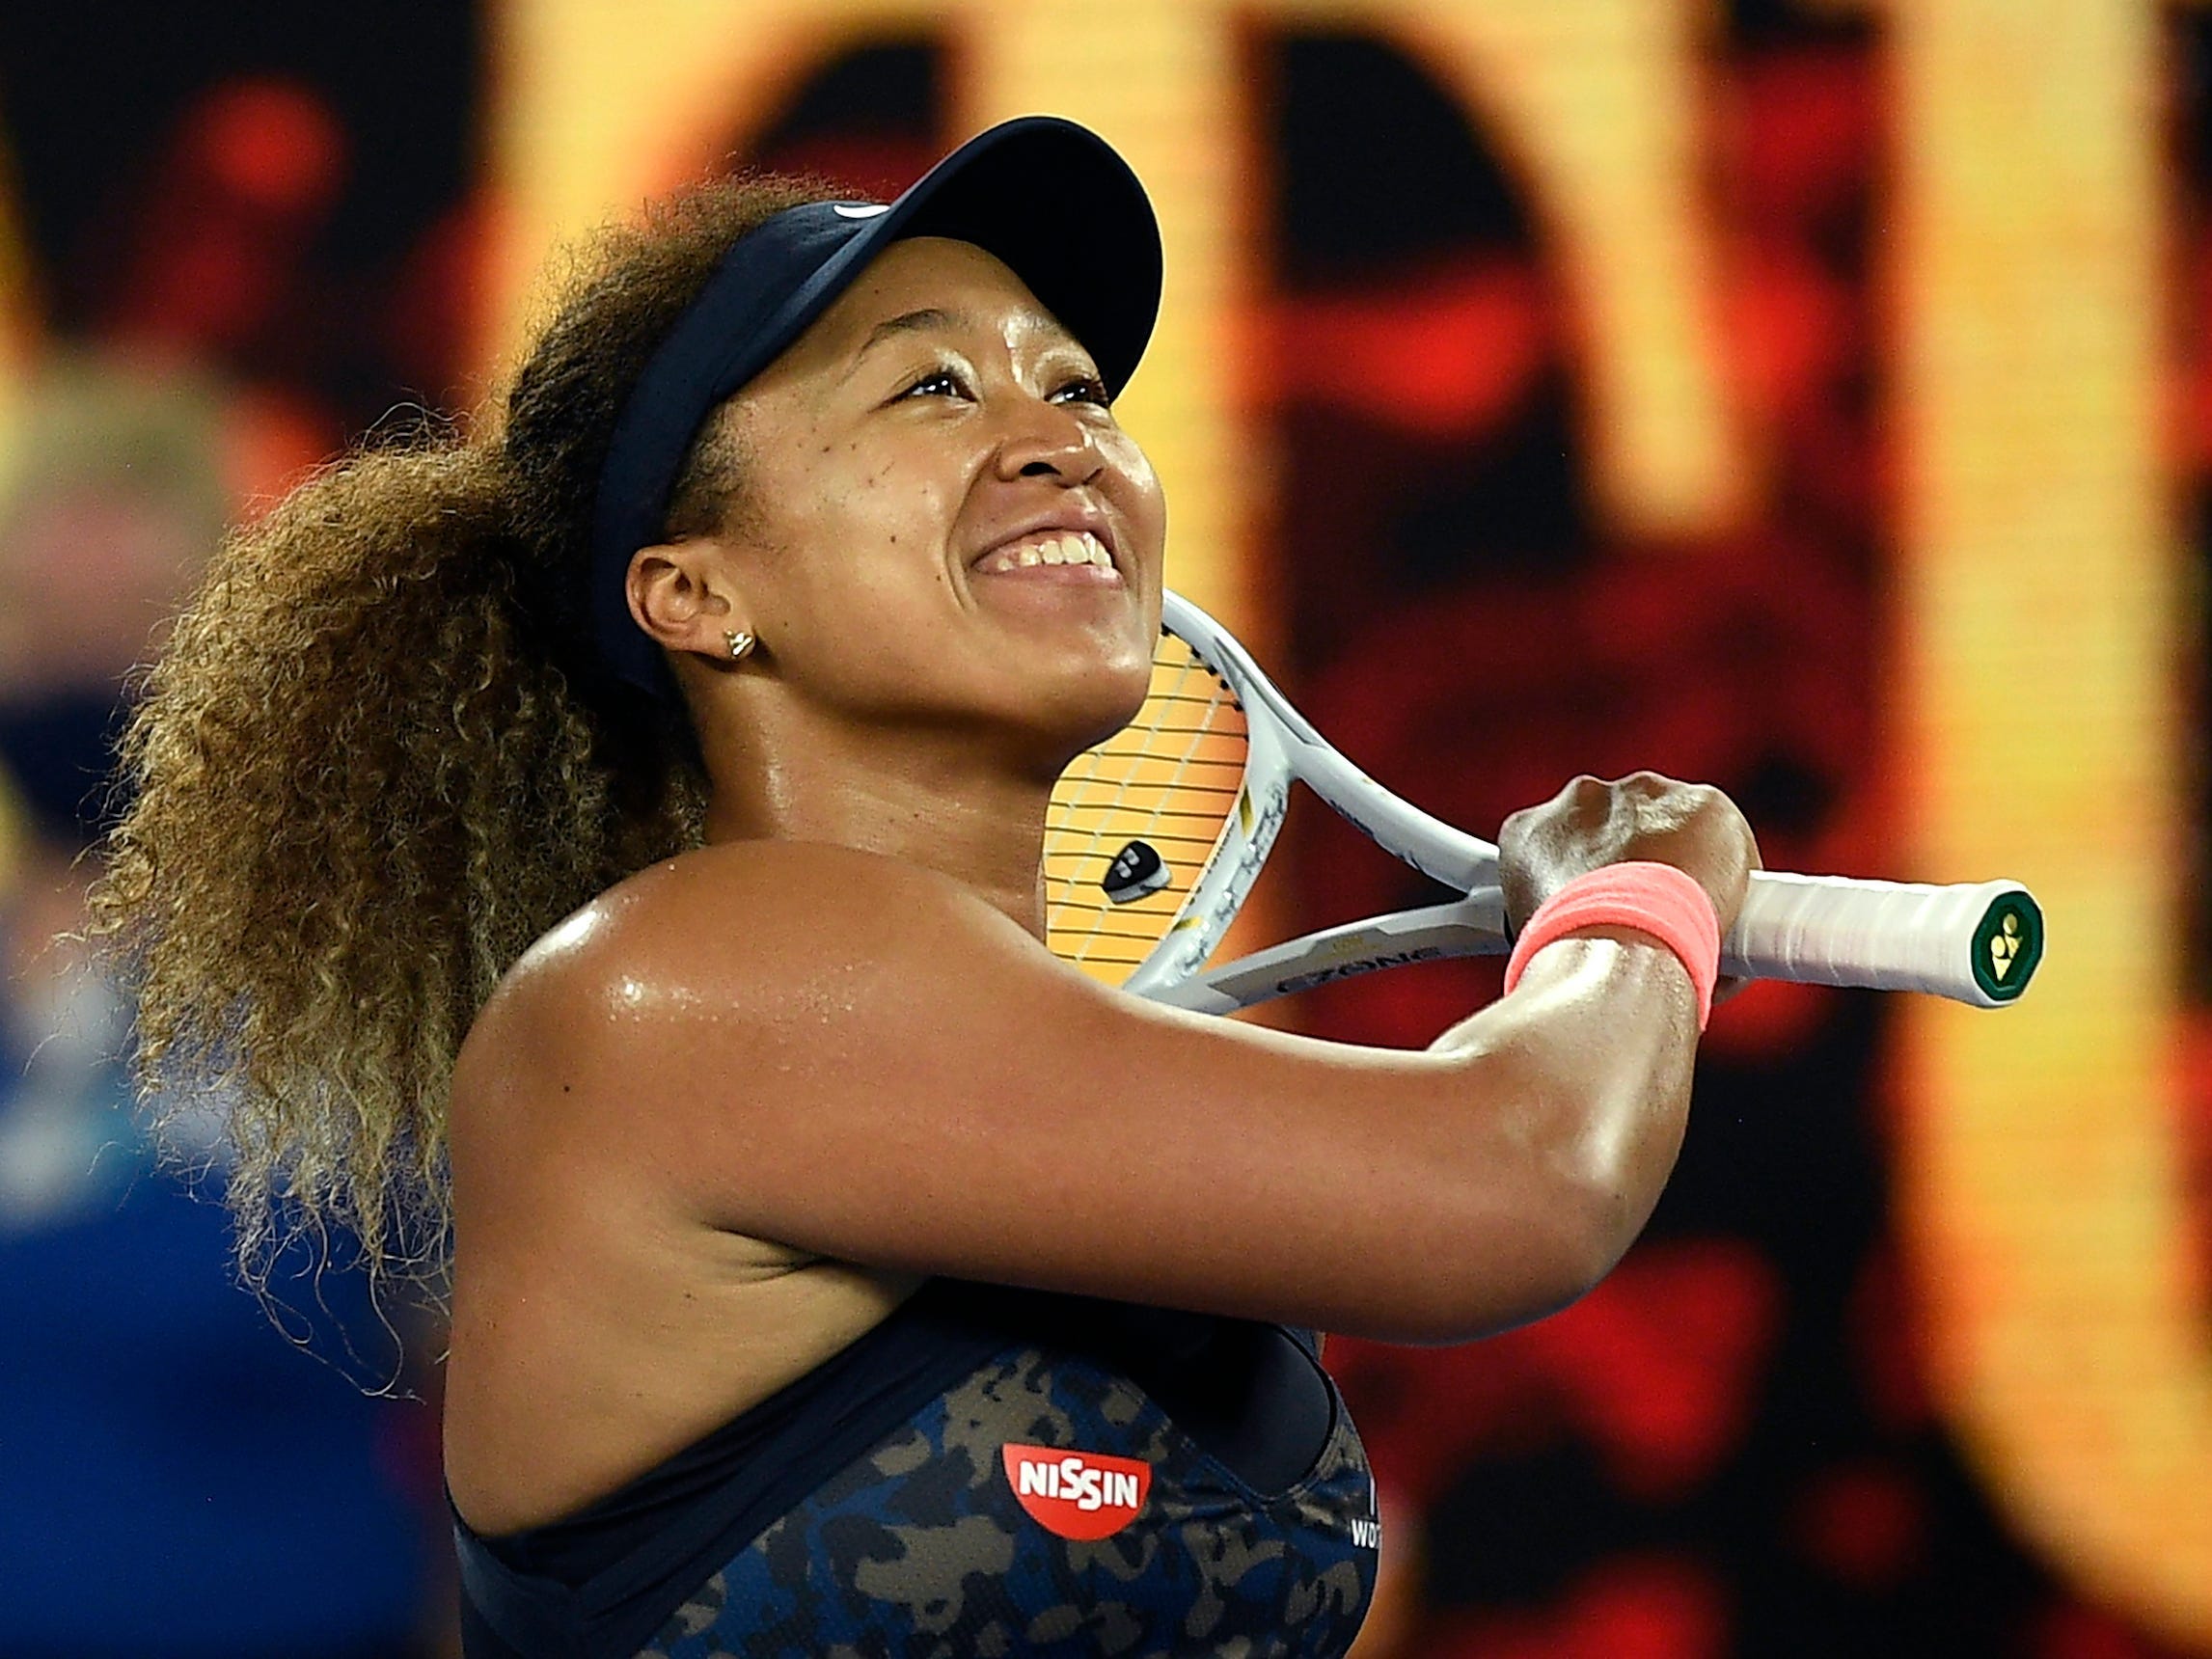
x=2007 y=946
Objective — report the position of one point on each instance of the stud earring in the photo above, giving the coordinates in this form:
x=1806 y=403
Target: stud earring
x=741 y=645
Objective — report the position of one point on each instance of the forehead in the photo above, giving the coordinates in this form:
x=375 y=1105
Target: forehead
x=973 y=287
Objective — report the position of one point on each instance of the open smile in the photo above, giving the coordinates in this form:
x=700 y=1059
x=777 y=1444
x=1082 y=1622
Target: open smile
x=1077 y=552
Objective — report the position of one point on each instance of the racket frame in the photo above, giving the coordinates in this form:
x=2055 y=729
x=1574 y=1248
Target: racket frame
x=1820 y=929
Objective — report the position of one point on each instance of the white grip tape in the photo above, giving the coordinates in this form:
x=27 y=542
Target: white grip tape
x=1888 y=935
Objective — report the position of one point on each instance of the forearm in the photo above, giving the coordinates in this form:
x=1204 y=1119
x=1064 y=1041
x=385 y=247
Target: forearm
x=1590 y=1061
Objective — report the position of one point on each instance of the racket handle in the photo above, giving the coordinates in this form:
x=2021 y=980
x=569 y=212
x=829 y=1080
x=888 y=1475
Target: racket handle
x=1976 y=944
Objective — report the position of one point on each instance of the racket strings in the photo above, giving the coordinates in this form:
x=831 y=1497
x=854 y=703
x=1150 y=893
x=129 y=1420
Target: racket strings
x=1168 y=781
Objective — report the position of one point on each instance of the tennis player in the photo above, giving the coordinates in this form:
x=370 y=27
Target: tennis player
x=832 y=1270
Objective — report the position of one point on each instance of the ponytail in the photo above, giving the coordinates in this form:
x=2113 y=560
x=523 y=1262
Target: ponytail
x=359 y=797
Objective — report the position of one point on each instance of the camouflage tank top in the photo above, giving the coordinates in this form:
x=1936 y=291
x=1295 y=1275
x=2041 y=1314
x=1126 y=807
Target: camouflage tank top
x=988 y=1472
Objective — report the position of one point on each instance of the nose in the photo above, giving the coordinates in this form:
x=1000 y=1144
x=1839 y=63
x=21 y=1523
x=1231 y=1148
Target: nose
x=1047 y=440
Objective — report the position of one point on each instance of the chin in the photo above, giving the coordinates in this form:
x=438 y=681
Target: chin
x=1088 y=704
x=1118 y=703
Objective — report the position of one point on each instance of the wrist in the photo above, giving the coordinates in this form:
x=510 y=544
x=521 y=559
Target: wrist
x=1666 y=904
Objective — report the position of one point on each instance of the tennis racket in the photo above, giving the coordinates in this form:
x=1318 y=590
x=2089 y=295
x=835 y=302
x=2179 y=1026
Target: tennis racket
x=1155 y=838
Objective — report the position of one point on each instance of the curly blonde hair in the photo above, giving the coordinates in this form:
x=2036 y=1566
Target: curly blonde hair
x=376 y=760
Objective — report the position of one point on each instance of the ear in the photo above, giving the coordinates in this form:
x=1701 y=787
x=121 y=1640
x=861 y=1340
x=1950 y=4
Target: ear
x=681 y=594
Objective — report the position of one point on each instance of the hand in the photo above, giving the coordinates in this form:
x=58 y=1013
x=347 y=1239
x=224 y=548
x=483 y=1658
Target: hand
x=1590 y=823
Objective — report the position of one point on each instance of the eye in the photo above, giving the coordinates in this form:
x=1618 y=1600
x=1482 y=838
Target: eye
x=1085 y=389
x=938 y=383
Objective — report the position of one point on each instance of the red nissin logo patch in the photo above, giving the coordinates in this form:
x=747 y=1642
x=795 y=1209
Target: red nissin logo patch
x=1077 y=1494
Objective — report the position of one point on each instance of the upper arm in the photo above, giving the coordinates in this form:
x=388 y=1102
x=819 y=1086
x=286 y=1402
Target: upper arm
x=858 y=1057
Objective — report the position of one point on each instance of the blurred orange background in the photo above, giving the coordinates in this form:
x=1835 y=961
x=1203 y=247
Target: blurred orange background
x=1813 y=398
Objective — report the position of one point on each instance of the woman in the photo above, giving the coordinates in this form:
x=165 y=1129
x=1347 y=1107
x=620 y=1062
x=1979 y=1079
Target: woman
x=834 y=1271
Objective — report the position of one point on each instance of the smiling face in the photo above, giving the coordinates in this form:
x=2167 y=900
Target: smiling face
x=939 y=524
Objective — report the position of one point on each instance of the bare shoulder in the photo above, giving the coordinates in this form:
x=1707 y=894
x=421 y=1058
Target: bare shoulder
x=722 y=987
x=730 y=933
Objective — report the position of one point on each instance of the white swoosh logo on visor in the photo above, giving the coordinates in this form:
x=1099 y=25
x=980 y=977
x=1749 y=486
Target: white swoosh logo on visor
x=858 y=209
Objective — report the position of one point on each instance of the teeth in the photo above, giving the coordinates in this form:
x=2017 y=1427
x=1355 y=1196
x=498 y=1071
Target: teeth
x=1069 y=547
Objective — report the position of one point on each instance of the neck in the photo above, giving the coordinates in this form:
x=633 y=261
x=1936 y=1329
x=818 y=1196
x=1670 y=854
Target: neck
x=930 y=799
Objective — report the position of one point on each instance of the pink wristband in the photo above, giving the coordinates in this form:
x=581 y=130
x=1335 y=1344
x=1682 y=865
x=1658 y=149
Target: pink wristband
x=1655 y=899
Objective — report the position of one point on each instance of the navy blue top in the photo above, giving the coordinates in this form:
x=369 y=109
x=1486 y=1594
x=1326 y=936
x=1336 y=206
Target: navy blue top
x=986 y=1471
